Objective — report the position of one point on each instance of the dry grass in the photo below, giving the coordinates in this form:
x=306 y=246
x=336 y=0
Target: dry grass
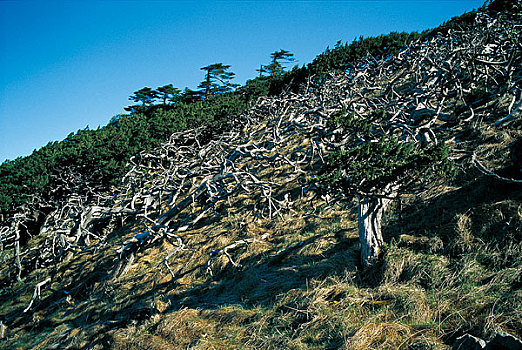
x=379 y=336
x=294 y=295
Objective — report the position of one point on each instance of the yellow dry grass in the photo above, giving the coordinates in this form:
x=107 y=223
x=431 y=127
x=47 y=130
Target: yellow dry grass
x=379 y=336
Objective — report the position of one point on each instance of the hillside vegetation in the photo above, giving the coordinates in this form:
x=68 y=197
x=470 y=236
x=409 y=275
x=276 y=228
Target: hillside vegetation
x=237 y=221
x=100 y=156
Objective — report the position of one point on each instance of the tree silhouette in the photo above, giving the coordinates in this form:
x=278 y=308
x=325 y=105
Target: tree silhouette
x=217 y=79
x=145 y=95
x=262 y=70
x=168 y=93
x=278 y=59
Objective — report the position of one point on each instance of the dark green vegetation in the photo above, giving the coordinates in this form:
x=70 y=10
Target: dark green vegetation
x=217 y=80
x=278 y=59
x=367 y=167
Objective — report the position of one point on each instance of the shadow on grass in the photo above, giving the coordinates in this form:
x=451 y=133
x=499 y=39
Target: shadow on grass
x=262 y=277
x=438 y=216
x=83 y=299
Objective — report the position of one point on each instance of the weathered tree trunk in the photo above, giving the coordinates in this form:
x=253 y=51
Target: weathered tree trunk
x=371 y=211
x=18 y=263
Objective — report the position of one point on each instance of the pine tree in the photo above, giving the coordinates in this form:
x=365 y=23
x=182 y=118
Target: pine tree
x=168 y=93
x=145 y=95
x=262 y=70
x=376 y=165
x=278 y=59
x=217 y=79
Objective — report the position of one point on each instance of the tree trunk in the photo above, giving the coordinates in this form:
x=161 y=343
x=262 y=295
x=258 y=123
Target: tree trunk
x=18 y=263
x=207 y=89
x=371 y=211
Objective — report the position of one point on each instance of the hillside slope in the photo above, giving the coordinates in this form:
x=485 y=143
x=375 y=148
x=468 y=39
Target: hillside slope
x=220 y=241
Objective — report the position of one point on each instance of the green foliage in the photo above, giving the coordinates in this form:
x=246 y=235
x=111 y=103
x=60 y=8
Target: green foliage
x=369 y=167
x=375 y=158
x=346 y=120
x=278 y=59
x=269 y=85
x=343 y=57
x=217 y=79
x=145 y=95
x=169 y=93
x=100 y=155
x=456 y=23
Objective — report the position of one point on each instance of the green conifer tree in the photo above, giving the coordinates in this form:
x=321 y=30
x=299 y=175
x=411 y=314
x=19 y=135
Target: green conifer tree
x=168 y=93
x=376 y=164
x=217 y=79
x=278 y=59
x=145 y=95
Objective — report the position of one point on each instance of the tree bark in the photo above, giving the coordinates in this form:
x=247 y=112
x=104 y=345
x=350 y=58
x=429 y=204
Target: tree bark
x=370 y=215
x=18 y=263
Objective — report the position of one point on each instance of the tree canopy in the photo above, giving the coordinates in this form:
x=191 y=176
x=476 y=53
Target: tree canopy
x=145 y=95
x=278 y=61
x=168 y=93
x=217 y=79
x=376 y=162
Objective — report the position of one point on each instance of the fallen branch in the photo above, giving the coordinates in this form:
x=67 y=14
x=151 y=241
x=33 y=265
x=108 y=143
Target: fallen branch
x=488 y=172
x=36 y=293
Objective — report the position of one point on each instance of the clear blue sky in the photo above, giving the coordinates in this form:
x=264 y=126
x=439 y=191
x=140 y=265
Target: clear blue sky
x=65 y=65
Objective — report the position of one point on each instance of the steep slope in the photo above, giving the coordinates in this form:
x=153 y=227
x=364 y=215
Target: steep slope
x=226 y=241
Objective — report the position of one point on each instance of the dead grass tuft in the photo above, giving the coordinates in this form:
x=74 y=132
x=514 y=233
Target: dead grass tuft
x=380 y=336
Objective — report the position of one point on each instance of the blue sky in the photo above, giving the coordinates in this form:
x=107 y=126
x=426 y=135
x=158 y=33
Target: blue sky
x=65 y=65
